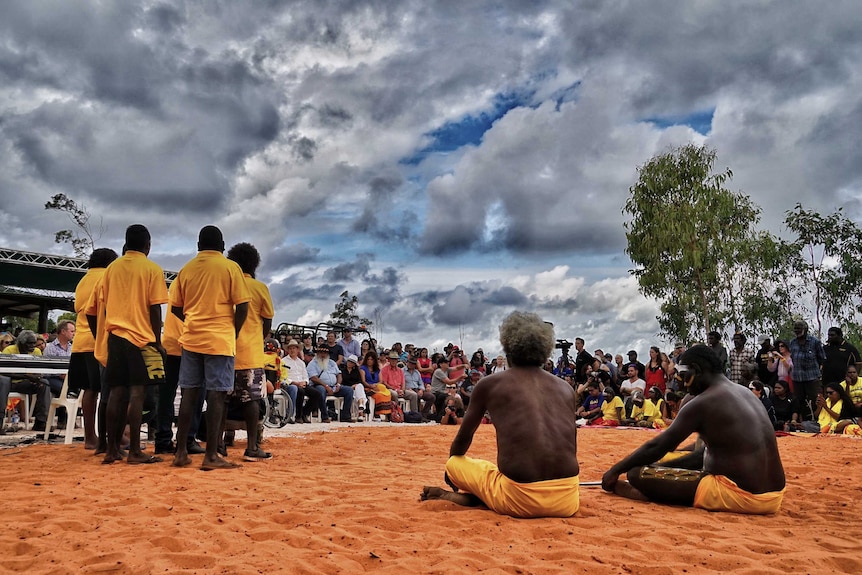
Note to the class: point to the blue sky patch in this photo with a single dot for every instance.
(470, 129)
(700, 122)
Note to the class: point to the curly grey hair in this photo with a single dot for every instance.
(526, 339)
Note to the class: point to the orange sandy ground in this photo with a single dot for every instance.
(348, 502)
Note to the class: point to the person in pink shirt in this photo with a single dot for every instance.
(392, 376)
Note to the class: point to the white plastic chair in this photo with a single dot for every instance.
(71, 405)
(28, 410)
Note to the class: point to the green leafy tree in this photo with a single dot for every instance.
(828, 263)
(691, 241)
(82, 239)
(346, 312)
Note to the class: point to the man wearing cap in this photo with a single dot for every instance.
(536, 474)
(807, 354)
(298, 387)
(211, 297)
(735, 468)
(413, 382)
(349, 344)
(325, 375)
(466, 388)
(633, 360)
(739, 357)
(439, 382)
(392, 377)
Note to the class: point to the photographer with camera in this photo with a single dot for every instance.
(453, 411)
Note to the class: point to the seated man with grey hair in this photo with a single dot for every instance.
(534, 415)
(27, 383)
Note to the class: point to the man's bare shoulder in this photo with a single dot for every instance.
(524, 376)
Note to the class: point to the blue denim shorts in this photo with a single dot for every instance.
(210, 372)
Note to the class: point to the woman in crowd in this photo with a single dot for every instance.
(655, 397)
(425, 366)
(672, 400)
(834, 409)
(781, 362)
(655, 375)
(370, 374)
(786, 407)
(756, 388)
(477, 362)
(351, 375)
(364, 348)
(613, 410)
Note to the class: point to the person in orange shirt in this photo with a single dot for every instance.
(249, 378)
(133, 290)
(83, 366)
(211, 297)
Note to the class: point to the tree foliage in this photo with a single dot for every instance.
(694, 244)
(828, 263)
(346, 312)
(82, 240)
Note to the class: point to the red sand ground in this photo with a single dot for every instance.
(348, 502)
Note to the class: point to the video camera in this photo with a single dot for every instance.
(564, 345)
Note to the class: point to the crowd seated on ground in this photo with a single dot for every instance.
(611, 392)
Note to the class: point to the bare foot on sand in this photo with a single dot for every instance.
(181, 461)
(143, 459)
(466, 499)
(218, 463)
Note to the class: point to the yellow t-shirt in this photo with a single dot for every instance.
(249, 345)
(824, 419)
(855, 390)
(609, 409)
(131, 284)
(84, 340)
(649, 411)
(13, 350)
(207, 289)
(96, 306)
(172, 333)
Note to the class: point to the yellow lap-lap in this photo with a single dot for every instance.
(551, 498)
(718, 493)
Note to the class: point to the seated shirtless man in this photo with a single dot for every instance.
(534, 415)
(734, 468)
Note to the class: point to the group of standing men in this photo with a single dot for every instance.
(213, 342)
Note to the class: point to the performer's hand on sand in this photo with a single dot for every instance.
(609, 481)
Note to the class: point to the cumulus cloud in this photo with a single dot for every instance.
(492, 145)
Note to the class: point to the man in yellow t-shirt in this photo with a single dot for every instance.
(249, 378)
(853, 385)
(211, 298)
(84, 373)
(132, 290)
(31, 384)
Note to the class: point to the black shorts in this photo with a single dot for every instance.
(84, 372)
(130, 365)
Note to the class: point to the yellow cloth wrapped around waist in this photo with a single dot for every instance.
(550, 498)
(718, 493)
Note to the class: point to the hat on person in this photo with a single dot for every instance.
(353, 358)
(475, 372)
(394, 355)
(442, 359)
(456, 348)
(632, 352)
(320, 348)
(678, 345)
(292, 343)
(412, 360)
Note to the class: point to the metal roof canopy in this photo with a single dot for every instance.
(21, 273)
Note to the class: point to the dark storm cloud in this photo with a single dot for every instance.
(350, 271)
(506, 296)
(284, 257)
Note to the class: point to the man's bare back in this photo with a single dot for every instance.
(533, 413)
